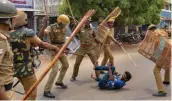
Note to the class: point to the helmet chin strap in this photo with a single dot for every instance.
(7, 22)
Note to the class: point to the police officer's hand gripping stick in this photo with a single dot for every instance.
(84, 19)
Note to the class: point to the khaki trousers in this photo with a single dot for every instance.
(158, 78)
(107, 55)
(27, 83)
(54, 71)
(92, 55)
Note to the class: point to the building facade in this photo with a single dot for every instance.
(166, 14)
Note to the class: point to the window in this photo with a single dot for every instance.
(167, 7)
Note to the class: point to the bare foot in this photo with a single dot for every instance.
(92, 76)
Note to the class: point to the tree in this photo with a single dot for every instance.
(133, 11)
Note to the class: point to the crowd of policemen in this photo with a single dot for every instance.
(16, 40)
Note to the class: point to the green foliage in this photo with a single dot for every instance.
(133, 11)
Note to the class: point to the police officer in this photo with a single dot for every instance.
(107, 52)
(57, 35)
(87, 39)
(21, 40)
(157, 69)
(7, 11)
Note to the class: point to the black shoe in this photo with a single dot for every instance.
(73, 79)
(61, 85)
(160, 94)
(48, 94)
(166, 83)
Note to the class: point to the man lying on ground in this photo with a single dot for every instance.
(111, 80)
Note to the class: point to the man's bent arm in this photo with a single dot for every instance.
(110, 73)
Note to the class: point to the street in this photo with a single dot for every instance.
(140, 87)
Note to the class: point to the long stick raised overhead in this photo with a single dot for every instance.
(84, 19)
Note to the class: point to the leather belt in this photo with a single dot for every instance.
(59, 43)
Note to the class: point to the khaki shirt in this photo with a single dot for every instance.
(86, 36)
(6, 59)
(109, 36)
(56, 34)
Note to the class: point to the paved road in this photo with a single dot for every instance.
(141, 86)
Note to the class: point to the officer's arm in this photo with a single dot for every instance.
(3, 48)
(96, 37)
(38, 41)
(115, 41)
(42, 31)
(3, 95)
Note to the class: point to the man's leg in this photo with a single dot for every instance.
(109, 55)
(27, 83)
(105, 59)
(78, 61)
(50, 81)
(65, 65)
(105, 68)
(167, 77)
(159, 83)
(92, 55)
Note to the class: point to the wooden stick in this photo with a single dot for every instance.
(70, 8)
(115, 13)
(45, 7)
(129, 56)
(84, 19)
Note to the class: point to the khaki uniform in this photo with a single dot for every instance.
(157, 74)
(6, 63)
(108, 56)
(158, 78)
(87, 46)
(57, 37)
(23, 68)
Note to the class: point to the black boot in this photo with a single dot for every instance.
(48, 94)
(160, 94)
(61, 85)
(166, 82)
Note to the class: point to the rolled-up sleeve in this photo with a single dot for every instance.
(3, 48)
